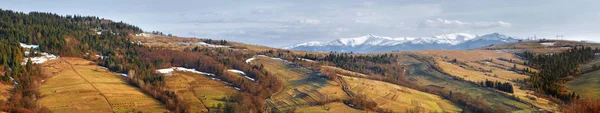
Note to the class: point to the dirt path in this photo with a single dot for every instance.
(87, 81)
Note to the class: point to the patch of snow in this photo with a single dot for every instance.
(170, 70)
(99, 33)
(241, 73)
(212, 45)
(250, 59)
(309, 60)
(14, 81)
(40, 59)
(100, 56)
(237, 71)
(548, 43)
(274, 58)
(125, 75)
(23, 45)
(144, 34)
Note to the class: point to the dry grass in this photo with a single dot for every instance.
(475, 59)
(200, 91)
(398, 98)
(303, 88)
(78, 86)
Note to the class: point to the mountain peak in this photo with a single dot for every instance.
(374, 43)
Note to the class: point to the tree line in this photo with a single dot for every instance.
(506, 87)
(554, 68)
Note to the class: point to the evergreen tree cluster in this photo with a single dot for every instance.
(554, 67)
(506, 87)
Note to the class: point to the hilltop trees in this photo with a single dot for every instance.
(554, 67)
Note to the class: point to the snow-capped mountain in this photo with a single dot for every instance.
(373, 43)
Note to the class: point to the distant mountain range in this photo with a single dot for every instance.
(372, 43)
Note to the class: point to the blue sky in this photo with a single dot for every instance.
(278, 23)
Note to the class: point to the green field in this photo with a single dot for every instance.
(586, 85)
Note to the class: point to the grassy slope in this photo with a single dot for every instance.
(398, 98)
(201, 92)
(303, 88)
(497, 74)
(78, 86)
(587, 85)
(424, 74)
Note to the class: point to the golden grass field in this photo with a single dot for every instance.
(398, 98)
(77, 85)
(200, 91)
(476, 59)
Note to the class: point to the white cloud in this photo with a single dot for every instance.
(457, 24)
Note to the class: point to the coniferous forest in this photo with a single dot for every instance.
(555, 68)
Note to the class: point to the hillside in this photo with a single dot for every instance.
(99, 90)
(117, 67)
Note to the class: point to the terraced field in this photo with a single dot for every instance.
(334, 107)
(422, 71)
(398, 98)
(78, 85)
(202, 93)
(474, 67)
(304, 89)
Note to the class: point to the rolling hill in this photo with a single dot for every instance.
(87, 64)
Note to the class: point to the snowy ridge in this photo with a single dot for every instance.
(452, 39)
(373, 43)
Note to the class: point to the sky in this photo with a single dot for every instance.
(278, 23)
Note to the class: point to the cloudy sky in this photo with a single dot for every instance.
(278, 23)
